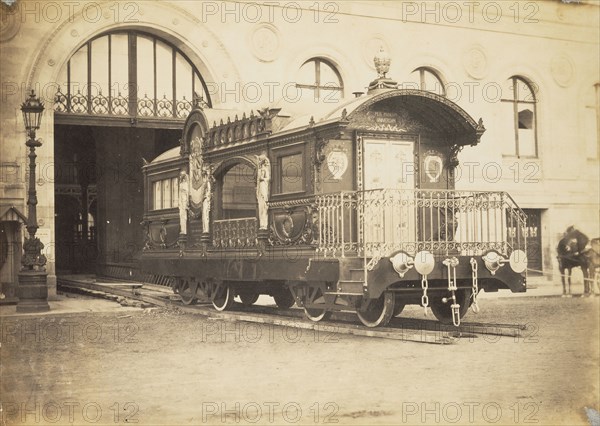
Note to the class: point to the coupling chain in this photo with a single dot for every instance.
(475, 306)
(451, 264)
(424, 298)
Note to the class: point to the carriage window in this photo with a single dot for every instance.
(519, 99)
(425, 78)
(290, 172)
(166, 194)
(319, 80)
(239, 192)
(592, 122)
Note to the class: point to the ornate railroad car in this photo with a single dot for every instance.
(351, 209)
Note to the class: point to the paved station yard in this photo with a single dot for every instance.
(104, 364)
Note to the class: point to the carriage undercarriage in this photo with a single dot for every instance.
(447, 286)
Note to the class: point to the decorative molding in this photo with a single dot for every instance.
(562, 70)
(265, 42)
(10, 21)
(475, 62)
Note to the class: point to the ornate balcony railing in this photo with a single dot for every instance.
(376, 223)
(235, 233)
(118, 105)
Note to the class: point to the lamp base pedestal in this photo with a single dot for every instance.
(33, 292)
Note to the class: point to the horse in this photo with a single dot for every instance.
(572, 253)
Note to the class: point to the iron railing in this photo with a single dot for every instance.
(376, 223)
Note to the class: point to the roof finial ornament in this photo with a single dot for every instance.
(382, 63)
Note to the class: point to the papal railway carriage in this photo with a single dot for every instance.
(351, 209)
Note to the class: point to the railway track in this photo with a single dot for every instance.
(402, 329)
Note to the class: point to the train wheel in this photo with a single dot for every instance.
(443, 312)
(222, 297)
(187, 290)
(379, 312)
(284, 299)
(248, 298)
(315, 297)
(398, 306)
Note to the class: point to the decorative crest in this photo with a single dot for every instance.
(382, 63)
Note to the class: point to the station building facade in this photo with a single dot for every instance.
(118, 79)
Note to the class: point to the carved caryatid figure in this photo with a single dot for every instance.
(196, 172)
(263, 183)
(207, 180)
(184, 201)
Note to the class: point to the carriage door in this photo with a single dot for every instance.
(389, 184)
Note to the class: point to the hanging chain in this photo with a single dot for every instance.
(454, 307)
(475, 306)
(424, 298)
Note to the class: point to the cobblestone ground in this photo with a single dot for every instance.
(160, 366)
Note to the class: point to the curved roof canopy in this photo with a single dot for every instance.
(437, 112)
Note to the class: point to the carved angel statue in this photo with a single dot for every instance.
(207, 181)
(263, 183)
(184, 201)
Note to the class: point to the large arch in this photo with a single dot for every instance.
(171, 23)
(55, 50)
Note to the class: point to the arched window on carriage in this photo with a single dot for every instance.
(132, 74)
(591, 121)
(235, 208)
(425, 78)
(518, 96)
(319, 80)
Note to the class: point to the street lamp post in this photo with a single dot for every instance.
(32, 291)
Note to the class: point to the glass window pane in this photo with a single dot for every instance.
(432, 83)
(329, 77)
(175, 192)
(100, 66)
(507, 116)
(166, 187)
(157, 196)
(239, 192)
(306, 74)
(119, 64)
(79, 71)
(164, 71)
(413, 81)
(508, 90)
(184, 78)
(145, 67)
(524, 92)
(527, 142)
(199, 88)
(291, 173)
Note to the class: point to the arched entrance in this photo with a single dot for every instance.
(123, 98)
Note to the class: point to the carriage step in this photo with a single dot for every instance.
(350, 286)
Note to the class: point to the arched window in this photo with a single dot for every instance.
(130, 73)
(592, 122)
(238, 198)
(519, 97)
(320, 80)
(425, 78)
